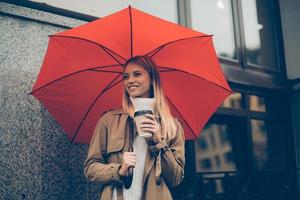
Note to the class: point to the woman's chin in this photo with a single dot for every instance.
(133, 95)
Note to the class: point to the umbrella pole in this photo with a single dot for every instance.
(128, 178)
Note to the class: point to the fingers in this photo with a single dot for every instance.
(129, 159)
(148, 121)
(151, 117)
(149, 124)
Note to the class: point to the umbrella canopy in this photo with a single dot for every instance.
(81, 75)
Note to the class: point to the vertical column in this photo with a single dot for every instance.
(290, 17)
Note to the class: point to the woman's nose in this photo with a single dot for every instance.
(130, 79)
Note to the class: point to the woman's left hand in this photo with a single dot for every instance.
(152, 126)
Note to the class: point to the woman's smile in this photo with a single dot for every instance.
(133, 87)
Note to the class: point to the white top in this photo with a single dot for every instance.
(135, 191)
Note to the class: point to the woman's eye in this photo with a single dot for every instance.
(125, 77)
(138, 74)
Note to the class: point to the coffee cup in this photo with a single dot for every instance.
(142, 106)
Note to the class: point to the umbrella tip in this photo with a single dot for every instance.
(130, 7)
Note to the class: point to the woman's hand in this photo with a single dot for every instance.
(152, 126)
(129, 159)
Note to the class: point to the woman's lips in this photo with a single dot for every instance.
(132, 87)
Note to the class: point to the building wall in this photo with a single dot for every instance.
(291, 30)
(36, 161)
(290, 17)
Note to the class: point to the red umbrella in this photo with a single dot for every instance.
(81, 75)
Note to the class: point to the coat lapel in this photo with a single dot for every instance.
(149, 162)
(123, 129)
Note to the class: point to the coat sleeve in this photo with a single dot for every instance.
(96, 167)
(172, 157)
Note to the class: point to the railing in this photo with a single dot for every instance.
(239, 185)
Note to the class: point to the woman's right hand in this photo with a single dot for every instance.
(129, 159)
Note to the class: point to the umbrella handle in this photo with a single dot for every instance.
(128, 178)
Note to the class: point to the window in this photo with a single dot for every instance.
(202, 143)
(259, 33)
(233, 101)
(206, 163)
(224, 138)
(217, 160)
(228, 157)
(215, 17)
(259, 140)
(217, 144)
(257, 103)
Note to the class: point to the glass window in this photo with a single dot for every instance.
(228, 157)
(166, 9)
(233, 101)
(217, 146)
(259, 33)
(257, 103)
(217, 160)
(202, 143)
(215, 17)
(259, 140)
(206, 163)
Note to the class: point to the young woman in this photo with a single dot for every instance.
(158, 161)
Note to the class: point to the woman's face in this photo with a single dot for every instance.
(136, 81)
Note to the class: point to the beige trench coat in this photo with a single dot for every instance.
(164, 164)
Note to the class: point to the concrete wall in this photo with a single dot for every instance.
(37, 161)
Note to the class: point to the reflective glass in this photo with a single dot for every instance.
(166, 9)
(215, 17)
(212, 149)
(259, 140)
(233, 101)
(257, 103)
(259, 33)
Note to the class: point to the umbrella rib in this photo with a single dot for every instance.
(107, 51)
(95, 70)
(103, 47)
(113, 85)
(108, 86)
(165, 69)
(131, 34)
(183, 118)
(65, 77)
(177, 70)
(156, 50)
(106, 66)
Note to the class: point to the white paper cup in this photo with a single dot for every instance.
(139, 117)
(142, 106)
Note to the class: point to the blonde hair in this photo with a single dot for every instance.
(161, 108)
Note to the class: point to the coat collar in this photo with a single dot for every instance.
(119, 111)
